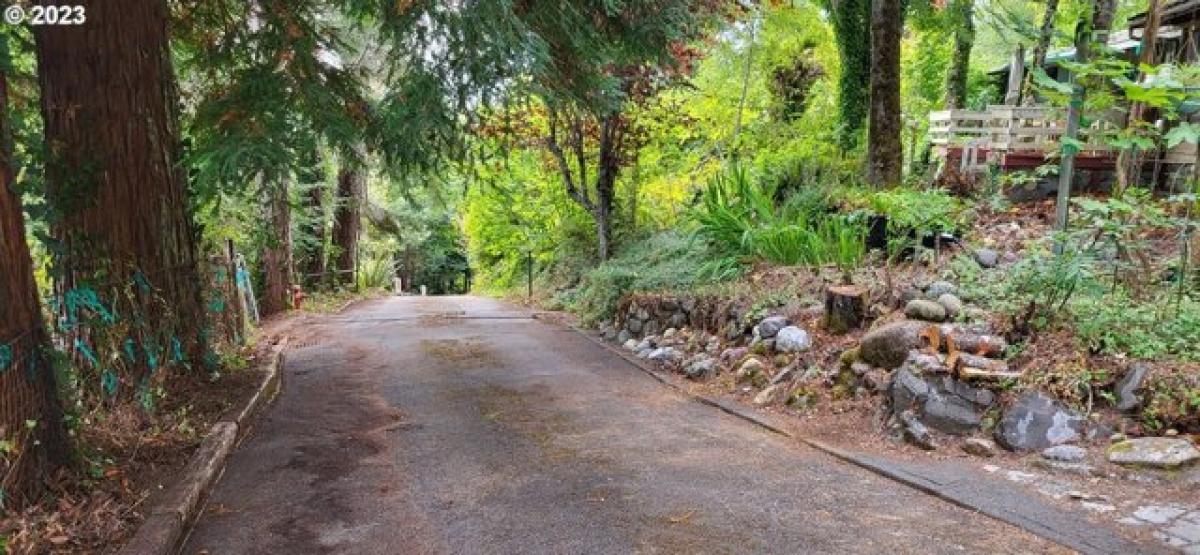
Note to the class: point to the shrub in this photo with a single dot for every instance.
(740, 219)
(669, 260)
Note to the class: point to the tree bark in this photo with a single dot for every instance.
(347, 223)
(277, 250)
(113, 173)
(851, 25)
(28, 390)
(963, 14)
(845, 308)
(612, 130)
(1039, 51)
(884, 149)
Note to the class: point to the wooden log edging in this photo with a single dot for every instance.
(172, 516)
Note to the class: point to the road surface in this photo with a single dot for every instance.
(461, 425)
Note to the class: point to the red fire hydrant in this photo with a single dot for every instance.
(297, 296)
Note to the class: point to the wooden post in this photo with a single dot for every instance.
(845, 308)
(1016, 75)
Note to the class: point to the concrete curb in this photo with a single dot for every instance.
(168, 521)
(1084, 539)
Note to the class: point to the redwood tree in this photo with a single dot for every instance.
(347, 221)
(277, 249)
(113, 177)
(884, 154)
(28, 392)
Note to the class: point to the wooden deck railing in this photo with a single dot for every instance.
(1004, 128)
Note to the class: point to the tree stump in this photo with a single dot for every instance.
(845, 308)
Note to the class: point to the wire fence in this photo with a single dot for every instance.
(103, 332)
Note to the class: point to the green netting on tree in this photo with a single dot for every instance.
(87, 353)
(130, 349)
(78, 299)
(140, 280)
(176, 350)
(151, 356)
(108, 381)
(6, 358)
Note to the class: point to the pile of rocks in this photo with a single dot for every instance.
(938, 302)
(935, 377)
(642, 318)
(767, 365)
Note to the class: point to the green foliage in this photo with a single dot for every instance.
(739, 218)
(851, 23)
(668, 261)
(919, 210)
(1072, 290)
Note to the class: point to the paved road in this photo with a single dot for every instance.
(402, 430)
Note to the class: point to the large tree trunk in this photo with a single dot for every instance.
(962, 13)
(851, 25)
(612, 132)
(884, 150)
(113, 174)
(277, 250)
(313, 257)
(1039, 51)
(28, 391)
(347, 222)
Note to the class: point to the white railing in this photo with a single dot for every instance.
(1004, 128)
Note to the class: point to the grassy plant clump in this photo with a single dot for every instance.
(742, 220)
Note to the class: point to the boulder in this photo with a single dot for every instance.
(732, 355)
(665, 355)
(952, 304)
(630, 344)
(769, 327)
(949, 414)
(1154, 452)
(979, 447)
(1127, 387)
(1064, 453)
(939, 288)
(1036, 421)
(609, 333)
(888, 346)
(877, 381)
(624, 337)
(981, 398)
(768, 396)
(915, 432)
(634, 325)
(678, 320)
(792, 339)
(987, 258)
(669, 333)
(700, 368)
(921, 309)
(907, 390)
